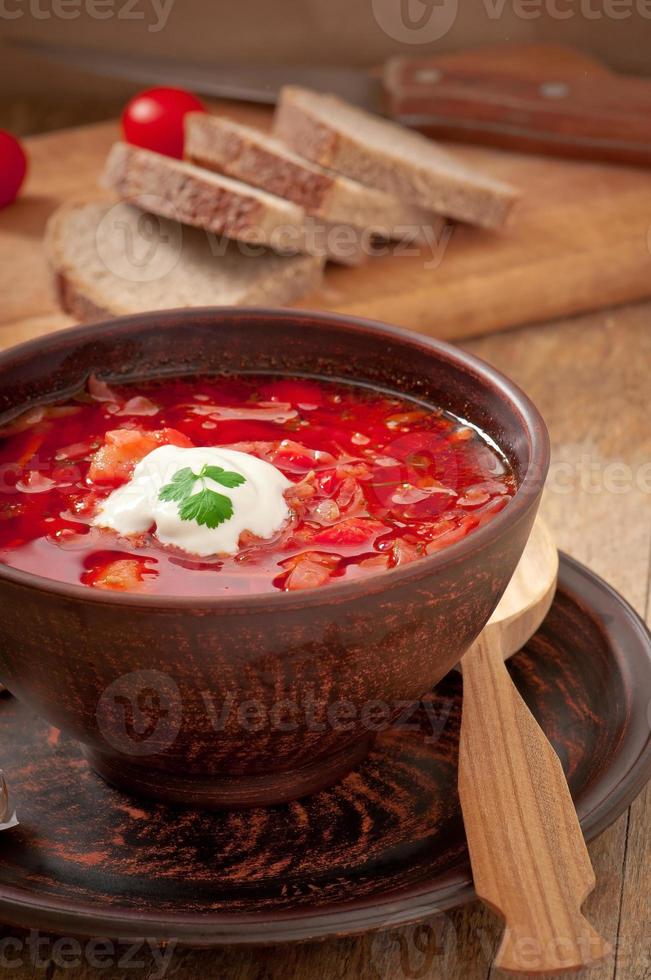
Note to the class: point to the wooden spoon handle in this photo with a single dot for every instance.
(528, 855)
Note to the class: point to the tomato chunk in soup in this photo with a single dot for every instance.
(377, 481)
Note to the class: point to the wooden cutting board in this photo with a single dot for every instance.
(579, 240)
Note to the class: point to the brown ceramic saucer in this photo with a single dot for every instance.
(384, 847)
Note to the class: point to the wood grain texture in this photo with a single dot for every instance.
(604, 416)
(528, 856)
(590, 378)
(578, 240)
(384, 846)
(530, 592)
(500, 99)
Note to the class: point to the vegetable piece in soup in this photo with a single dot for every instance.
(239, 485)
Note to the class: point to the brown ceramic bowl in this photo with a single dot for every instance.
(243, 700)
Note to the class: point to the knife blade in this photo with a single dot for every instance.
(255, 83)
(543, 99)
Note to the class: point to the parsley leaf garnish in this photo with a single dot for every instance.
(207, 507)
(226, 477)
(181, 485)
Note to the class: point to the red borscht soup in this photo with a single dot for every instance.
(371, 481)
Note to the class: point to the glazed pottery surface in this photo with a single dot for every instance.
(383, 847)
(248, 700)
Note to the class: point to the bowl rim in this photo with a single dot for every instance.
(517, 507)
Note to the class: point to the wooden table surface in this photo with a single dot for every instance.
(590, 378)
(578, 240)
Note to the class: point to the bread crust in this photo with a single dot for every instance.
(78, 305)
(89, 297)
(389, 157)
(249, 155)
(201, 198)
(317, 140)
(177, 191)
(214, 144)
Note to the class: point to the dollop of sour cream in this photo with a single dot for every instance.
(258, 502)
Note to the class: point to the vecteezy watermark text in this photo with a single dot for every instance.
(288, 715)
(567, 9)
(153, 13)
(424, 21)
(585, 473)
(41, 952)
(141, 714)
(136, 244)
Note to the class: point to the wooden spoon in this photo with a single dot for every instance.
(528, 855)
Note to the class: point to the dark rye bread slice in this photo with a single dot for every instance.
(385, 155)
(192, 195)
(256, 158)
(111, 259)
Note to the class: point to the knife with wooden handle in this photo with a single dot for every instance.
(531, 98)
(581, 114)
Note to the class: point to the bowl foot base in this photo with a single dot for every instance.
(227, 792)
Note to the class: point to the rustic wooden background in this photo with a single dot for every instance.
(578, 238)
(590, 378)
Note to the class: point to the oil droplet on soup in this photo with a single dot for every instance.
(373, 481)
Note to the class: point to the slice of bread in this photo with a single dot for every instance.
(252, 156)
(385, 155)
(195, 196)
(111, 259)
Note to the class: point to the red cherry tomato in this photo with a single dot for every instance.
(13, 166)
(154, 119)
